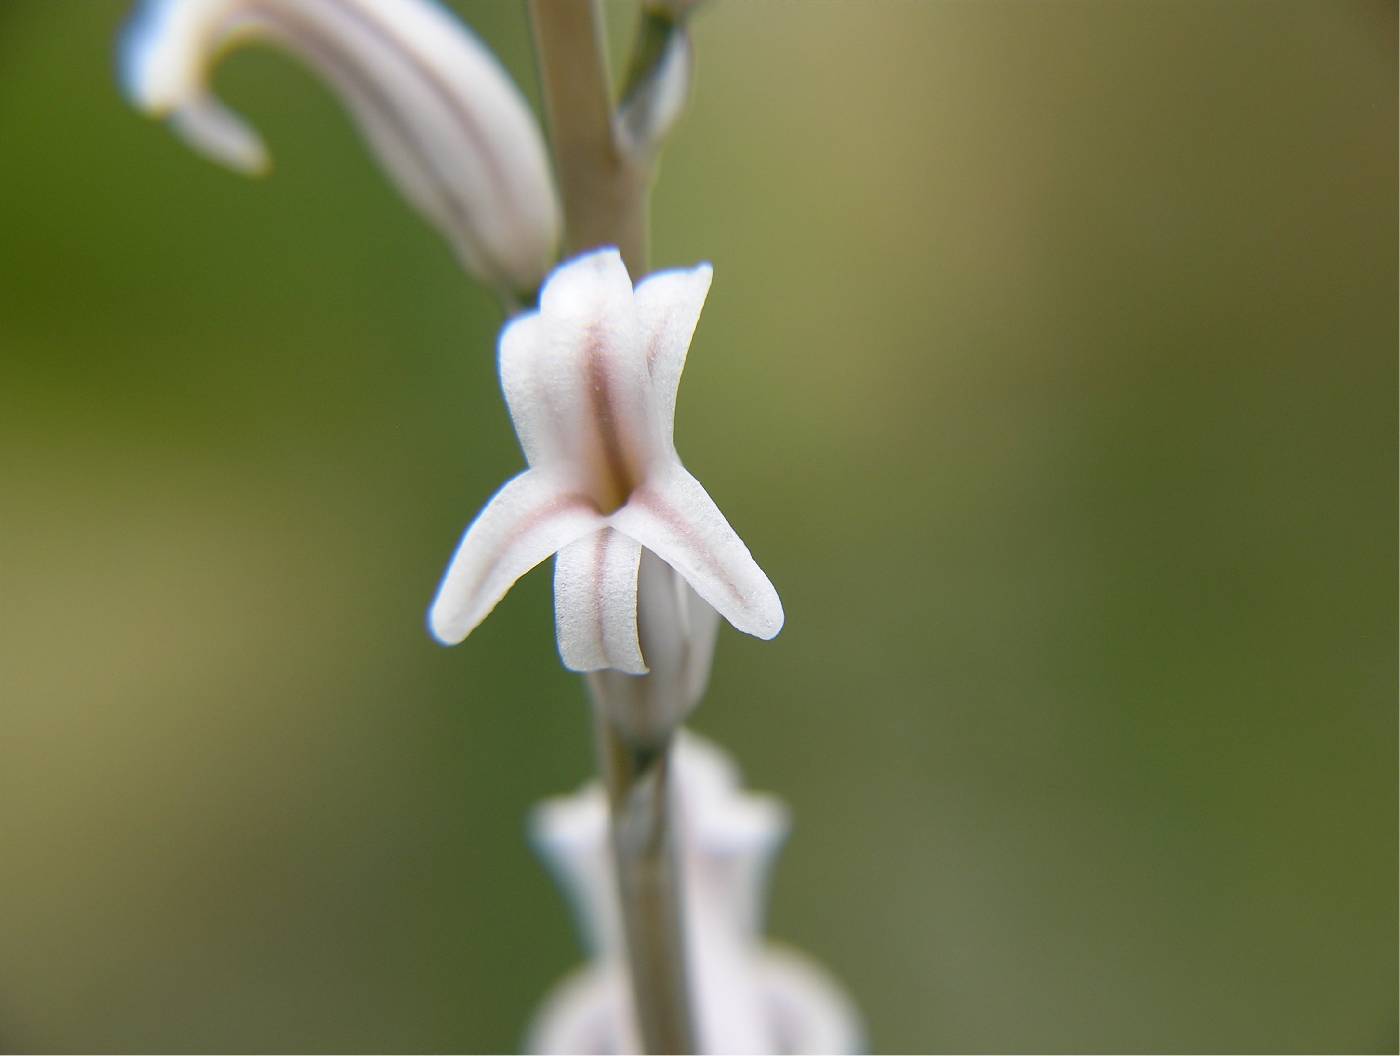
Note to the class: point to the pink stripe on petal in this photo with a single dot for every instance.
(668, 310)
(673, 517)
(596, 373)
(595, 603)
(529, 519)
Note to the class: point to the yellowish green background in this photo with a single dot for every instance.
(1049, 370)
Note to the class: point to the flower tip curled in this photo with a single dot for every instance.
(434, 105)
(161, 75)
(441, 627)
(140, 68)
(594, 284)
(215, 131)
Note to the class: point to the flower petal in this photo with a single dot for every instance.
(571, 834)
(521, 350)
(668, 309)
(589, 1010)
(807, 1008)
(215, 131)
(595, 603)
(439, 111)
(580, 382)
(672, 516)
(529, 519)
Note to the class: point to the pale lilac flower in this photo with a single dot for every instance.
(749, 996)
(590, 380)
(438, 110)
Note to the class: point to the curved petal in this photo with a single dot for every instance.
(672, 516)
(595, 603)
(737, 832)
(587, 375)
(526, 521)
(521, 350)
(668, 309)
(592, 290)
(589, 1010)
(217, 132)
(441, 114)
(807, 1008)
(571, 834)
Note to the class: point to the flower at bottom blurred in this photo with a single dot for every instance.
(748, 995)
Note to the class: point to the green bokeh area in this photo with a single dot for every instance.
(1050, 372)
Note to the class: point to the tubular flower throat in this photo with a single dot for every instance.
(590, 380)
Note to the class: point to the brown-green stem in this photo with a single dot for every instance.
(605, 196)
(605, 193)
(638, 782)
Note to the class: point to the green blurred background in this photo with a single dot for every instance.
(1049, 370)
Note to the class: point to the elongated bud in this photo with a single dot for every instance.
(437, 109)
(677, 630)
(659, 80)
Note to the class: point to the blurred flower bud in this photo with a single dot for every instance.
(673, 9)
(436, 107)
(749, 996)
(660, 86)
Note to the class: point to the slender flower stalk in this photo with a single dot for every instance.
(605, 192)
(443, 117)
(606, 183)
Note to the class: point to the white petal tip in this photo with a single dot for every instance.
(139, 59)
(759, 612)
(625, 667)
(444, 630)
(602, 258)
(220, 135)
(702, 275)
(765, 624)
(582, 285)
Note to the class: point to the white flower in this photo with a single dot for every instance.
(444, 118)
(590, 380)
(749, 997)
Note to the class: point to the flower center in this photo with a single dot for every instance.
(615, 468)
